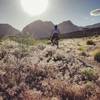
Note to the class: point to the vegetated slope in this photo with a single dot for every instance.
(42, 72)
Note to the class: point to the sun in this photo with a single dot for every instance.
(34, 7)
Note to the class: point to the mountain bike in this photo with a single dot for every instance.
(55, 41)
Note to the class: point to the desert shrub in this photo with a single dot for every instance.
(23, 76)
(97, 56)
(44, 41)
(58, 56)
(41, 46)
(34, 76)
(7, 89)
(81, 92)
(89, 74)
(2, 54)
(92, 91)
(37, 95)
(24, 40)
(85, 54)
(55, 87)
(52, 87)
(21, 51)
(48, 52)
(82, 48)
(8, 44)
(32, 95)
(90, 42)
(27, 40)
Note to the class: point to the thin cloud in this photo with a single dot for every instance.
(95, 12)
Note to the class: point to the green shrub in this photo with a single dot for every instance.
(89, 74)
(23, 40)
(82, 48)
(97, 56)
(90, 42)
(26, 40)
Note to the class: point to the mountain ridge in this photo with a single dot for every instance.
(42, 29)
(7, 29)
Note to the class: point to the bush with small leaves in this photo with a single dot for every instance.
(90, 42)
(97, 56)
(44, 73)
(89, 74)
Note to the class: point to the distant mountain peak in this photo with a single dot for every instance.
(37, 22)
(5, 24)
(93, 26)
(68, 26)
(6, 29)
(39, 29)
(69, 22)
(42, 29)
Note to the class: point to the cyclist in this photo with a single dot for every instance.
(55, 36)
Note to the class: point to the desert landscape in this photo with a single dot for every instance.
(35, 70)
(49, 49)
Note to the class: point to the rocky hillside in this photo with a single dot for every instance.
(39, 29)
(42, 72)
(93, 26)
(42, 29)
(6, 30)
(68, 26)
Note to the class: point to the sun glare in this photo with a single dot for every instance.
(34, 7)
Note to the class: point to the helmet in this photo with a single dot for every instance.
(56, 26)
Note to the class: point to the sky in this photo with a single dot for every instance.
(80, 12)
